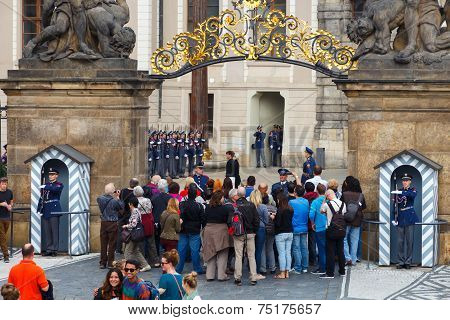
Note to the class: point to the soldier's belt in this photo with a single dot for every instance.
(407, 208)
(50, 201)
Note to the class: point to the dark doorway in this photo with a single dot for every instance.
(64, 220)
(416, 183)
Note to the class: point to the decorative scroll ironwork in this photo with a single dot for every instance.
(253, 31)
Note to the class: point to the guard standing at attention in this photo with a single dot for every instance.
(151, 154)
(191, 153)
(273, 145)
(182, 154)
(49, 205)
(199, 145)
(172, 151)
(405, 222)
(260, 136)
(159, 163)
(308, 166)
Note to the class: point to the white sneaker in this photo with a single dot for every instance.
(146, 268)
(259, 277)
(305, 271)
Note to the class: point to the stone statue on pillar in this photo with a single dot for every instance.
(420, 34)
(83, 29)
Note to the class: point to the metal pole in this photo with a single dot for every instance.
(70, 236)
(87, 232)
(11, 236)
(368, 247)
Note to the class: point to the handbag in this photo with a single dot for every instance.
(148, 222)
(126, 235)
(138, 233)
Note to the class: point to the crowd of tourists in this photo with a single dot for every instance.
(289, 228)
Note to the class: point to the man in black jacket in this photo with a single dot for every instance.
(159, 202)
(192, 218)
(251, 224)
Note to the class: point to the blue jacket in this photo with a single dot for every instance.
(300, 217)
(49, 201)
(406, 214)
(308, 169)
(278, 185)
(201, 181)
(319, 219)
(259, 141)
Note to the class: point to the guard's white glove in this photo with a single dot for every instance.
(167, 157)
(185, 155)
(396, 192)
(271, 147)
(149, 159)
(177, 157)
(394, 222)
(42, 186)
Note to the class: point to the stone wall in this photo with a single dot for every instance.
(396, 107)
(99, 108)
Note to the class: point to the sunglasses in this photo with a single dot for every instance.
(129, 270)
(164, 262)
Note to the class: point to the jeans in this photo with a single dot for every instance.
(359, 254)
(193, 242)
(260, 156)
(321, 247)
(312, 248)
(352, 236)
(268, 255)
(259, 246)
(332, 246)
(284, 244)
(300, 251)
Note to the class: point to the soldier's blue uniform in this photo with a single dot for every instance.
(280, 185)
(151, 155)
(49, 205)
(172, 151)
(182, 154)
(406, 220)
(274, 145)
(159, 155)
(308, 167)
(201, 181)
(199, 144)
(191, 153)
(259, 147)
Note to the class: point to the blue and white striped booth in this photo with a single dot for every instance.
(425, 180)
(74, 168)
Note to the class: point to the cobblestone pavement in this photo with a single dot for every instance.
(76, 281)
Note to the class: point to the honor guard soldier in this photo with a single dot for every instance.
(151, 154)
(159, 165)
(308, 166)
(191, 153)
(273, 145)
(199, 145)
(172, 151)
(200, 179)
(406, 220)
(260, 136)
(182, 154)
(282, 184)
(49, 205)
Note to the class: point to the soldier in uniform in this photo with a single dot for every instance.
(273, 145)
(172, 151)
(166, 158)
(151, 154)
(260, 136)
(183, 143)
(405, 222)
(199, 145)
(308, 166)
(48, 207)
(283, 183)
(159, 165)
(200, 179)
(191, 153)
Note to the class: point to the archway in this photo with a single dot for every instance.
(266, 109)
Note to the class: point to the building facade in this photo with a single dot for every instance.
(242, 95)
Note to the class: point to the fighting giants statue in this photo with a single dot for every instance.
(83, 29)
(418, 24)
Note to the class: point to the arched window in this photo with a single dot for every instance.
(213, 10)
(31, 19)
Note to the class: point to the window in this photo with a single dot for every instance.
(358, 7)
(32, 13)
(213, 10)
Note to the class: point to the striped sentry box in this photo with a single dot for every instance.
(78, 166)
(428, 170)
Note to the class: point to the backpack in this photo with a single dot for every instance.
(154, 293)
(237, 224)
(337, 228)
(270, 226)
(148, 222)
(353, 207)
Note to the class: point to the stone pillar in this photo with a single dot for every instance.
(394, 107)
(331, 104)
(99, 108)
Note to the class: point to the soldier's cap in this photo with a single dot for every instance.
(182, 132)
(284, 172)
(309, 150)
(52, 170)
(275, 126)
(406, 177)
(200, 165)
(259, 127)
(170, 132)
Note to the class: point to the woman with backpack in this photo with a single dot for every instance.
(260, 239)
(354, 199)
(132, 248)
(216, 240)
(145, 209)
(335, 210)
(284, 235)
